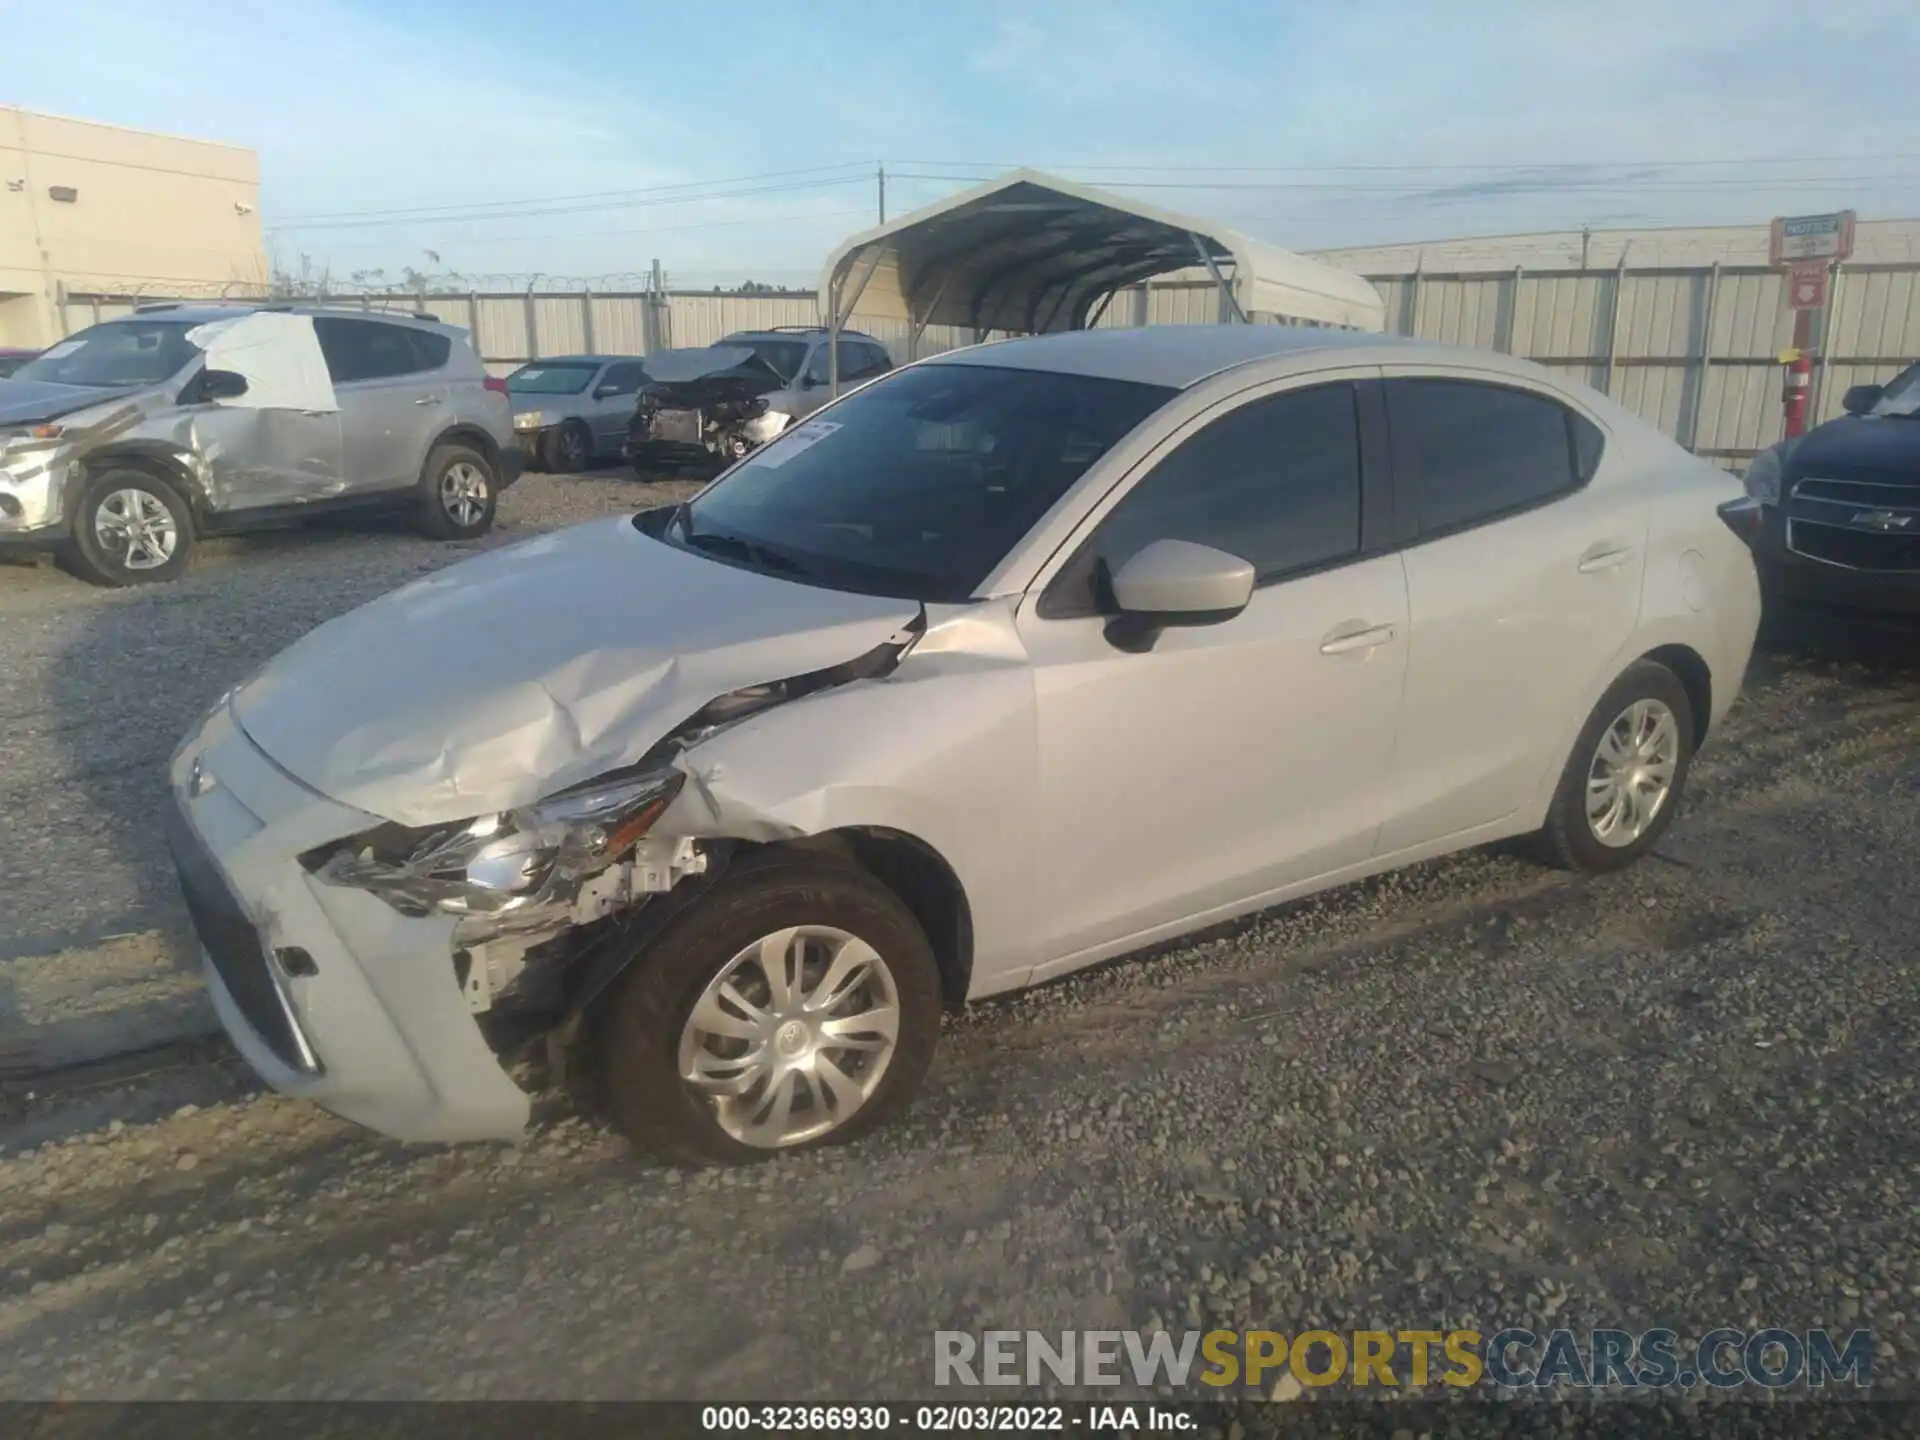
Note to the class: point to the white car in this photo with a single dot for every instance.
(1019, 658)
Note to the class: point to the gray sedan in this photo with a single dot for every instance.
(572, 409)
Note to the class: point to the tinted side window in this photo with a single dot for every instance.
(622, 379)
(1276, 482)
(432, 349)
(817, 365)
(859, 360)
(1470, 452)
(370, 350)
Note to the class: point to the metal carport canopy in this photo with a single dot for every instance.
(1033, 254)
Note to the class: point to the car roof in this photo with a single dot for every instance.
(202, 314)
(793, 332)
(1179, 356)
(585, 360)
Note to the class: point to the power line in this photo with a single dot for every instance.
(737, 194)
(1464, 191)
(606, 234)
(1343, 169)
(864, 167)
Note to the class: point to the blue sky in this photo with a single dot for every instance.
(1308, 125)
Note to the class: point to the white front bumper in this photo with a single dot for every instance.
(379, 1032)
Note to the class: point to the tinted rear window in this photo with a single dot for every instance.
(1470, 451)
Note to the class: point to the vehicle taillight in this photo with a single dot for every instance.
(495, 384)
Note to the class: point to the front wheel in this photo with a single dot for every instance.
(796, 1004)
(1626, 775)
(568, 449)
(130, 528)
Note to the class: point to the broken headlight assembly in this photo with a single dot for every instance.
(503, 862)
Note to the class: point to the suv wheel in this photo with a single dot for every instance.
(795, 1004)
(458, 493)
(568, 449)
(130, 528)
(1625, 777)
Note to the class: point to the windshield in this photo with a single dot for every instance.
(549, 379)
(1901, 395)
(917, 486)
(783, 357)
(120, 352)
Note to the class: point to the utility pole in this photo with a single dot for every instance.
(880, 174)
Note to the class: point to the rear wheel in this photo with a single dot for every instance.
(130, 528)
(458, 493)
(568, 449)
(796, 1004)
(1626, 775)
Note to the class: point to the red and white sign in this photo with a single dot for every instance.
(1807, 285)
(1811, 237)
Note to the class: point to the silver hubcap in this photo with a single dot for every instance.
(1632, 773)
(463, 490)
(134, 527)
(793, 1036)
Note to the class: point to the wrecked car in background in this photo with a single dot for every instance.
(569, 410)
(124, 443)
(1023, 657)
(711, 406)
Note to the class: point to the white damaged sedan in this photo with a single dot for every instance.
(1014, 660)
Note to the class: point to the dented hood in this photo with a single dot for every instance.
(27, 402)
(505, 678)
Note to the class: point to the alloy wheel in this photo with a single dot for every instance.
(463, 493)
(791, 1038)
(1631, 777)
(136, 529)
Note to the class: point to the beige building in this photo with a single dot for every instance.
(91, 207)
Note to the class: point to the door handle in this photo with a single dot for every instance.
(428, 400)
(1345, 640)
(1604, 556)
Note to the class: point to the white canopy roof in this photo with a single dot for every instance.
(1030, 253)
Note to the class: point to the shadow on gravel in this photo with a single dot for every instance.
(1798, 634)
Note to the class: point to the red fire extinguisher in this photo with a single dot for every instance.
(1793, 396)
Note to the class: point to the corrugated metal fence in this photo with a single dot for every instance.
(1695, 351)
(509, 330)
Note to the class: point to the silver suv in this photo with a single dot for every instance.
(124, 443)
(570, 410)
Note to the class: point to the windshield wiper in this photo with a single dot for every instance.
(753, 553)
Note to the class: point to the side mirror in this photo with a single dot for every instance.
(222, 385)
(1176, 582)
(1860, 399)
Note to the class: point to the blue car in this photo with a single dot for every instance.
(1839, 507)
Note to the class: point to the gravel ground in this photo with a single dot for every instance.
(1473, 1094)
(100, 685)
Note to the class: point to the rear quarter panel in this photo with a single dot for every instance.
(1699, 588)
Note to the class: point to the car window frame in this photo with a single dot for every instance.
(1406, 470)
(804, 378)
(1050, 590)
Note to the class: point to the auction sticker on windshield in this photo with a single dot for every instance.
(801, 437)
